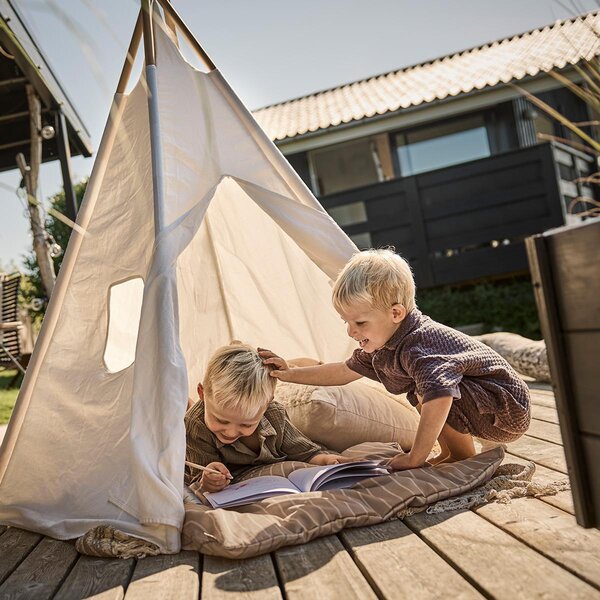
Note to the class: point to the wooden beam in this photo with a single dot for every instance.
(30, 175)
(64, 155)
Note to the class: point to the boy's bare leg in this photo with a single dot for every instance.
(459, 445)
(444, 454)
(455, 445)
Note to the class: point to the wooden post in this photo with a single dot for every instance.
(30, 175)
(64, 155)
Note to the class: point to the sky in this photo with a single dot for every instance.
(268, 50)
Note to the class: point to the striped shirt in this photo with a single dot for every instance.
(279, 440)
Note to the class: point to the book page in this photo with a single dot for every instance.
(251, 490)
(312, 478)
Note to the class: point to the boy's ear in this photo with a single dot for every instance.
(200, 392)
(398, 313)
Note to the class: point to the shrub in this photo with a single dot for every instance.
(507, 305)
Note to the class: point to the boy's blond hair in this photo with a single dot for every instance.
(381, 278)
(236, 379)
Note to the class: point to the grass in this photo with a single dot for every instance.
(7, 397)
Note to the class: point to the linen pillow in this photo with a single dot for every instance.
(342, 416)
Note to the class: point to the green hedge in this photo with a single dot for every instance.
(507, 305)
(7, 396)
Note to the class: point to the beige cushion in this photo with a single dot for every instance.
(269, 524)
(342, 416)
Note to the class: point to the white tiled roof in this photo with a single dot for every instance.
(541, 50)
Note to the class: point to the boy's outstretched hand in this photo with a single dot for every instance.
(213, 482)
(277, 365)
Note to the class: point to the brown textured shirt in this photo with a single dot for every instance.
(279, 440)
(431, 360)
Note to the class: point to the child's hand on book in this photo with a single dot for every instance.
(329, 459)
(402, 462)
(215, 482)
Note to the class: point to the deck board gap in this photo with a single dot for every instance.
(65, 575)
(440, 552)
(543, 439)
(23, 558)
(278, 576)
(376, 590)
(540, 551)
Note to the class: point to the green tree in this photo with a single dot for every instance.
(60, 232)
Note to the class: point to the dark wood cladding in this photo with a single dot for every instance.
(463, 222)
(565, 274)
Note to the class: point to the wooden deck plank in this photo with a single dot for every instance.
(15, 545)
(543, 399)
(550, 531)
(398, 564)
(544, 413)
(537, 387)
(545, 431)
(494, 560)
(321, 570)
(166, 577)
(102, 578)
(41, 573)
(249, 579)
(541, 452)
(562, 500)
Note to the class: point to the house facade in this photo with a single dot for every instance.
(447, 160)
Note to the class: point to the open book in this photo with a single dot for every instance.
(309, 479)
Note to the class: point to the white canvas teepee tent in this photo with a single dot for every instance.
(194, 231)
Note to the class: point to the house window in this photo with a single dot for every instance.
(124, 311)
(442, 145)
(363, 241)
(349, 214)
(351, 165)
(544, 126)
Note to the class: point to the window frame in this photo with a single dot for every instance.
(314, 177)
(486, 117)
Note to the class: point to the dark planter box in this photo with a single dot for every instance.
(565, 269)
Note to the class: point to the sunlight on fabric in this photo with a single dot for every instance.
(125, 307)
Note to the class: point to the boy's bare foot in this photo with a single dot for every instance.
(439, 458)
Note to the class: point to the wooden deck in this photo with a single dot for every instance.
(530, 548)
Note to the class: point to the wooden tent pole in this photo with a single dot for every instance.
(170, 23)
(172, 14)
(148, 33)
(130, 57)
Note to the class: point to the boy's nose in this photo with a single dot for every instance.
(350, 330)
